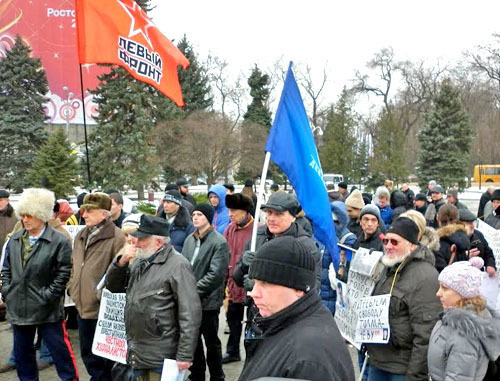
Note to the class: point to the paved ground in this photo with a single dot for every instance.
(232, 370)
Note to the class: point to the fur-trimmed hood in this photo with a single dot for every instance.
(485, 328)
(430, 239)
(455, 234)
(449, 230)
(36, 202)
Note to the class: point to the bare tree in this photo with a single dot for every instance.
(313, 91)
(487, 59)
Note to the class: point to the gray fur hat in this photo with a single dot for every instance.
(36, 202)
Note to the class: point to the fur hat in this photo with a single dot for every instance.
(355, 200)
(463, 278)
(97, 200)
(36, 202)
(239, 201)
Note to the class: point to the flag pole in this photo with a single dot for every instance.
(260, 195)
(85, 129)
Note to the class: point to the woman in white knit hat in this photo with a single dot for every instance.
(467, 337)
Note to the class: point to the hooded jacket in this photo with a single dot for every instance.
(327, 294)
(221, 215)
(301, 341)
(399, 203)
(413, 312)
(453, 234)
(461, 345)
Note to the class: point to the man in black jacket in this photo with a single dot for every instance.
(35, 273)
(371, 225)
(300, 339)
(163, 311)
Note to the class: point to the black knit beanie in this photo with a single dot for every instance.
(206, 209)
(405, 228)
(284, 261)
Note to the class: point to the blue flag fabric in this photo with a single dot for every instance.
(292, 148)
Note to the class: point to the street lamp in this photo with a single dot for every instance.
(67, 110)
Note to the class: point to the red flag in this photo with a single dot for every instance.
(119, 32)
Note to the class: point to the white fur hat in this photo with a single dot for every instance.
(36, 202)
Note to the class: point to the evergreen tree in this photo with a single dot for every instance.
(23, 85)
(361, 163)
(194, 80)
(445, 140)
(337, 153)
(55, 166)
(257, 116)
(122, 149)
(388, 160)
(258, 110)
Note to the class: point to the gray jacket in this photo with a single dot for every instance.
(209, 267)
(493, 220)
(34, 293)
(414, 311)
(163, 311)
(461, 345)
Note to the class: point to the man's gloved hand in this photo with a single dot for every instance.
(247, 258)
(247, 283)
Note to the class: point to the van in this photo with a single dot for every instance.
(488, 173)
(332, 178)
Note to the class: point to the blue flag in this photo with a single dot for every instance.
(292, 148)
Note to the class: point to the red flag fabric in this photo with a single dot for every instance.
(119, 32)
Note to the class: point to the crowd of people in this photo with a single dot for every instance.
(181, 266)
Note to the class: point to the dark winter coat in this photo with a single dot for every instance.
(8, 220)
(301, 341)
(399, 203)
(372, 242)
(221, 216)
(354, 227)
(209, 267)
(327, 294)
(478, 241)
(189, 199)
(461, 345)
(413, 312)
(119, 220)
(453, 234)
(163, 311)
(34, 293)
(485, 197)
(180, 228)
(410, 196)
(460, 205)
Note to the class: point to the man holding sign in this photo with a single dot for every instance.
(163, 310)
(410, 279)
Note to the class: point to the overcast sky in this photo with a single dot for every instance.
(345, 34)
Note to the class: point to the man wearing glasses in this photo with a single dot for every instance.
(412, 281)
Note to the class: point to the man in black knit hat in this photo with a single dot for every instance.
(300, 338)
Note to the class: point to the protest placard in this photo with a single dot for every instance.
(365, 262)
(373, 319)
(110, 339)
(358, 286)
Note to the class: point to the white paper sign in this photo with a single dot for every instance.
(110, 339)
(489, 289)
(170, 371)
(373, 319)
(492, 236)
(365, 262)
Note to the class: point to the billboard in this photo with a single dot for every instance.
(49, 28)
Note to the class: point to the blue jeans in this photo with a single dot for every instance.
(57, 340)
(376, 374)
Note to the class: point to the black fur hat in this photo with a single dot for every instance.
(239, 201)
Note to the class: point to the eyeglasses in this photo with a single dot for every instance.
(394, 242)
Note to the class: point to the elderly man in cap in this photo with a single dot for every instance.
(300, 338)
(237, 235)
(178, 218)
(478, 244)
(94, 249)
(412, 281)
(433, 208)
(207, 251)
(35, 273)
(372, 227)
(163, 311)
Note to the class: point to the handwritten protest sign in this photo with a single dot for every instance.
(359, 285)
(373, 319)
(492, 236)
(110, 340)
